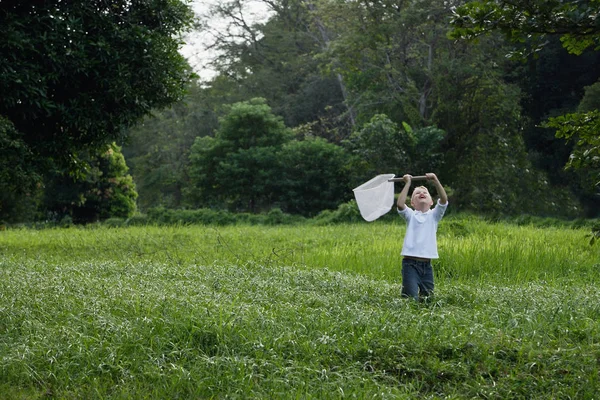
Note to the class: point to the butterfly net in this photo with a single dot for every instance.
(375, 197)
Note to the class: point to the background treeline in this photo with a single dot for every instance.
(323, 96)
(363, 88)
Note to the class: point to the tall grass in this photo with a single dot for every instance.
(470, 250)
(296, 312)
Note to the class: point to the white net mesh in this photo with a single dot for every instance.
(375, 197)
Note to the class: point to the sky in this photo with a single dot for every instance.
(194, 48)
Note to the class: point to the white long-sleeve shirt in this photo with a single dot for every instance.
(420, 239)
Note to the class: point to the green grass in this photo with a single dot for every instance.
(297, 312)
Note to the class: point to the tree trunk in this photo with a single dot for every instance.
(325, 46)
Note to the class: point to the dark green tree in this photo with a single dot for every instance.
(380, 146)
(276, 60)
(254, 164)
(19, 182)
(536, 23)
(159, 147)
(552, 84)
(314, 175)
(591, 99)
(581, 129)
(104, 191)
(387, 54)
(486, 161)
(237, 168)
(575, 21)
(73, 74)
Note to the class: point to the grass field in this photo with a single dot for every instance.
(307, 312)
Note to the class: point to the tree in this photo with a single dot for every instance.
(73, 74)
(313, 176)
(104, 191)
(380, 146)
(575, 21)
(254, 164)
(486, 162)
(386, 52)
(552, 84)
(275, 59)
(582, 128)
(237, 169)
(591, 99)
(158, 148)
(19, 182)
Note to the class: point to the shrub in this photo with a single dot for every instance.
(137, 220)
(206, 216)
(115, 222)
(346, 212)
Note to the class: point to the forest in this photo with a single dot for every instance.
(109, 120)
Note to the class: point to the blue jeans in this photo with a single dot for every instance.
(417, 278)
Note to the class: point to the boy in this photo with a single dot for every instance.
(420, 243)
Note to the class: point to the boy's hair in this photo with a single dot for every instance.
(421, 187)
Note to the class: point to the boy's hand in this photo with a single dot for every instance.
(431, 177)
(407, 179)
(440, 189)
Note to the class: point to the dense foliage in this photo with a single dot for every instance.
(348, 89)
(575, 21)
(413, 101)
(104, 191)
(75, 74)
(536, 25)
(253, 164)
(18, 179)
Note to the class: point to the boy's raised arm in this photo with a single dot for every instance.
(438, 186)
(404, 193)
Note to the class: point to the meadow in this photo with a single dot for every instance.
(297, 312)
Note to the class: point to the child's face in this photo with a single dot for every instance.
(421, 199)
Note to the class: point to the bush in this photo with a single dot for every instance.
(115, 222)
(205, 216)
(66, 222)
(345, 213)
(137, 220)
(275, 217)
(20, 183)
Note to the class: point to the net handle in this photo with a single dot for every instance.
(414, 178)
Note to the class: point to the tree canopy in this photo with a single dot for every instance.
(253, 163)
(577, 22)
(382, 81)
(305, 105)
(74, 74)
